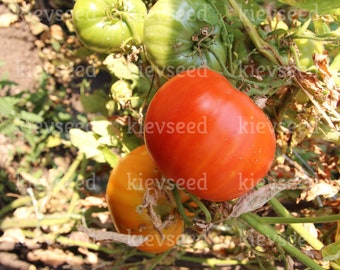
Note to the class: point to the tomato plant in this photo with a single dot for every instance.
(184, 34)
(109, 26)
(135, 195)
(207, 136)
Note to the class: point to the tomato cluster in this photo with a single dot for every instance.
(176, 34)
(201, 134)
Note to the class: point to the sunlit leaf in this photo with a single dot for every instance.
(87, 143)
(317, 6)
(8, 127)
(101, 126)
(7, 106)
(121, 68)
(325, 132)
(331, 252)
(111, 157)
(53, 141)
(30, 117)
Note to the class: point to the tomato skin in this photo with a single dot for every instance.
(125, 191)
(170, 30)
(109, 25)
(207, 136)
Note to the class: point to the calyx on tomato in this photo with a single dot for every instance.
(109, 25)
(182, 34)
(207, 136)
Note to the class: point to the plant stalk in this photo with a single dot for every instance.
(255, 221)
(282, 211)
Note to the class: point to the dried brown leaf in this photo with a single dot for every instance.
(322, 91)
(13, 235)
(91, 201)
(321, 62)
(12, 261)
(36, 26)
(321, 188)
(10, 238)
(57, 32)
(54, 257)
(257, 198)
(99, 235)
(7, 19)
(79, 236)
(308, 120)
(149, 201)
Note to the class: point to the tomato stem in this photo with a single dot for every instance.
(255, 221)
(201, 206)
(281, 210)
(293, 220)
(224, 34)
(159, 259)
(120, 11)
(235, 77)
(127, 20)
(180, 206)
(265, 48)
(21, 201)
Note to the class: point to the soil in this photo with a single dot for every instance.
(19, 59)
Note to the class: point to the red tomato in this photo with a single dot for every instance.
(207, 136)
(135, 175)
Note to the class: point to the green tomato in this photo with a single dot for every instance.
(109, 25)
(307, 48)
(183, 34)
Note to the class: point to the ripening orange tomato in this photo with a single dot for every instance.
(131, 181)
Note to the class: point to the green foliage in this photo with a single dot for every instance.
(321, 7)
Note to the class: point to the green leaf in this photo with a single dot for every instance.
(30, 117)
(111, 157)
(87, 143)
(53, 141)
(7, 106)
(8, 127)
(95, 103)
(331, 252)
(121, 68)
(130, 141)
(254, 12)
(104, 128)
(4, 83)
(318, 6)
(327, 133)
(100, 125)
(121, 89)
(336, 63)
